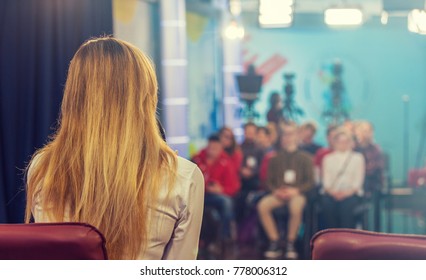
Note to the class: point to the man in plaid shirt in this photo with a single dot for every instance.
(374, 165)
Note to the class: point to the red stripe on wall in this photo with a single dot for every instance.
(271, 66)
(249, 61)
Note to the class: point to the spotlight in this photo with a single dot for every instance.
(235, 7)
(276, 13)
(343, 17)
(384, 18)
(234, 31)
(417, 21)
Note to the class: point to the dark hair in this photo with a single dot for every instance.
(229, 150)
(249, 124)
(264, 129)
(161, 129)
(214, 138)
(274, 99)
(311, 126)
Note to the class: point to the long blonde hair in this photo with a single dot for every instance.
(106, 163)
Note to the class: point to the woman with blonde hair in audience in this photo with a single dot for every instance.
(343, 177)
(107, 164)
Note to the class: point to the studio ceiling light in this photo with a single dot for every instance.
(235, 7)
(343, 17)
(417, 21)
(275, 13)
(233, 31)
(384, 18)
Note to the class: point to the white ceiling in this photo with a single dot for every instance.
(315, 6)
(371, 7)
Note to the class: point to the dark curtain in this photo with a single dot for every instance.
(37, 41)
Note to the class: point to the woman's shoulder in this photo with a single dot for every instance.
(189, 182)
(35, 161)
(184, 166)
(187, 170)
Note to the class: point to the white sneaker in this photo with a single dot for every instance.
(274, 251)
(291, 253)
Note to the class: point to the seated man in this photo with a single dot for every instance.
(306, 134)
(221, 181)
(290, 175)
(264, 140)
(373, 155)
(252, 156)
(249, 170)
(343, 177)
(374, 166)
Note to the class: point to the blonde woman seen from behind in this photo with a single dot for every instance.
(107, 164)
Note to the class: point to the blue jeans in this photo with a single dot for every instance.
(225, 207)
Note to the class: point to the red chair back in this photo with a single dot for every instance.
(350, 244)
(51, 241)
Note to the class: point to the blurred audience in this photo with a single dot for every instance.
(221, 181)
(230, 146)
(266, 143)
(321, 153)
(249, 171)
(374, 166)
(252, 156)
(306, 134)
(289, 176)
(349, 126)
(264, 139)
(270, 171)
(343, 177)
(273, 130)
(374, 161)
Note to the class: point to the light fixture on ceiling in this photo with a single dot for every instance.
(417, 21)
(233, 31)
(384, 18)
(275, 13)
(343, 17)
(235, 7)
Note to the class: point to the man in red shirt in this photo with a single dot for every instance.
(221, 181)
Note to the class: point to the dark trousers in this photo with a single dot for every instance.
(225, 207)
(339, 214)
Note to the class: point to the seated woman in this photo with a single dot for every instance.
(343, 177)
(108, 166)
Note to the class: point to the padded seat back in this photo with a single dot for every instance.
(51, 241)
(351, 244)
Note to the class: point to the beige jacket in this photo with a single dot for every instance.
(175, 224)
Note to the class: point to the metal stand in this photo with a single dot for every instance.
(291, 111)
(337, 113)
(406, 135)
(249, 112)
